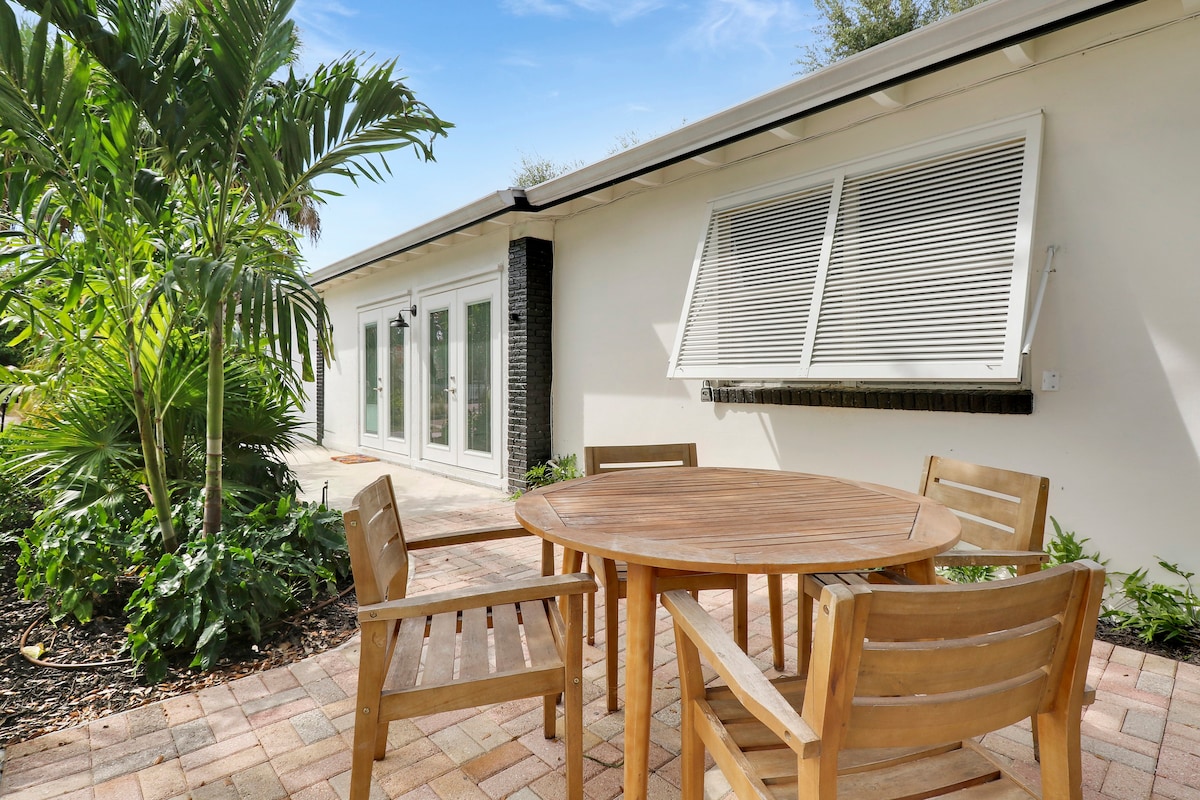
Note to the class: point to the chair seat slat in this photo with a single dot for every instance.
(939, 775)
(474, 643)
(506, 630)
(440, 649)
(406, 662)
(538, 636)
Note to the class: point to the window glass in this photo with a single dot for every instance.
(371, 378)
(439, 377)
(479, 377)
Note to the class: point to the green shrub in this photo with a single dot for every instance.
(1065, 547)
(219, 589)
(21, 500)
(562, 468)
(972, 573)
(74, 562)
(1157, 612)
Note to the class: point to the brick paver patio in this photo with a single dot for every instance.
(287, 732)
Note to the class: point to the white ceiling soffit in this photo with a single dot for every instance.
(991, 25)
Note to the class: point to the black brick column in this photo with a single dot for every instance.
(530, 367)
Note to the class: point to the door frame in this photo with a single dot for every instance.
(454, 458)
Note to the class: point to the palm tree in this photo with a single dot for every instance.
(242, 141)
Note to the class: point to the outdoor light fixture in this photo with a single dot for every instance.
(399, 322)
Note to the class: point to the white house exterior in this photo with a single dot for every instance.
(1016, 136)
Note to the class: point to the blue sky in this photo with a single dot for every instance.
(558, 79)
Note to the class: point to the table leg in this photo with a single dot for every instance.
(639, 678)
(921, 571)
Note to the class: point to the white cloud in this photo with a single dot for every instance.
(727, 24)
(617, 11)
(522, 60)
(523, 8)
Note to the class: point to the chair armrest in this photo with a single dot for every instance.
(469, 536)
(422, 605)
(989, 558)
(748, 684)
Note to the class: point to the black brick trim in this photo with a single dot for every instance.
(530, 360)
(320, 377)
(972, 401)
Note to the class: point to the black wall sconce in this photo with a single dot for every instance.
(399, 322)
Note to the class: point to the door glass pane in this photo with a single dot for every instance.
(439, 377)
(371, 379)
(396, 383)
(479, 377)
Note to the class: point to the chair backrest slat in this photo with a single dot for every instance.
(615, 458)
(1000, 509)
(930, 720)
(913, 613)
(890, 669)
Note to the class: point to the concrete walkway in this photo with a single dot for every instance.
(417, 493)
(286, 732)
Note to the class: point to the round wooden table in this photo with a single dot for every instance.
(726, 520)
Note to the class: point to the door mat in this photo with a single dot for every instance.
(355, 459)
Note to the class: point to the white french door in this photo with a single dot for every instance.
(461, 420)
(384, 378)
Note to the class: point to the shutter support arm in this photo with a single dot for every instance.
(1037, 304)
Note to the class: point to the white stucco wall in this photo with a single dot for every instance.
(1119, 196)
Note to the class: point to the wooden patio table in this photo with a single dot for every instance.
(725, 520)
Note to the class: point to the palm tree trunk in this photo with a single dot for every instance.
(215, 428)
(155, 476)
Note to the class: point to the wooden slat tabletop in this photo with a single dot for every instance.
(739, 520)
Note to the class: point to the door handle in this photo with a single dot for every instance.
(453, 389)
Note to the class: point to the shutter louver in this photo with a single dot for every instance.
(914, 268)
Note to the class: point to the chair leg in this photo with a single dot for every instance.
(741, 612)
(692, 760)
(804, 623)
(362, 757)
(591, 607)
(573, 701)
(610, 646)
(775, 602)
(381, 731)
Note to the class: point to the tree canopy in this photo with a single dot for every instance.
(852, 26)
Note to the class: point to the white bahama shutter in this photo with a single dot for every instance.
(914, 268)
(752, 293)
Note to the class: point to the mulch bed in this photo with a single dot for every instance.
(35, 700)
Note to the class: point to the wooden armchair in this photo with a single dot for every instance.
(443, 651)
(902, 678)
(1003, 518)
